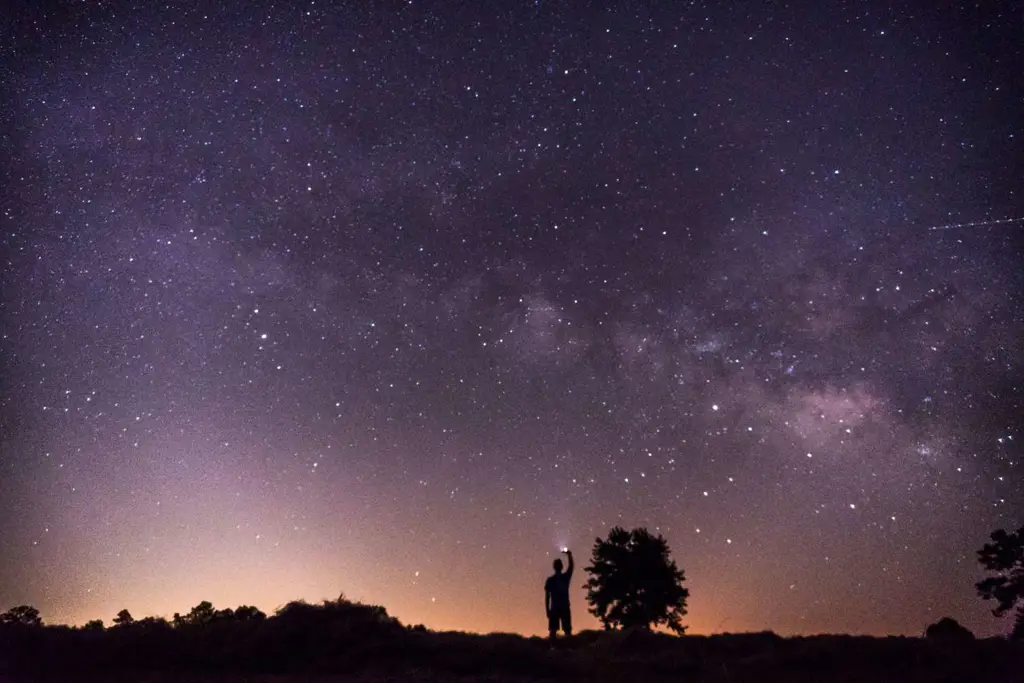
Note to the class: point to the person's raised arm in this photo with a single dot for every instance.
(569, 569)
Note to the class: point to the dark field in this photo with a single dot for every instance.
(343, 641)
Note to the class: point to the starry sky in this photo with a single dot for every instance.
(395, 299)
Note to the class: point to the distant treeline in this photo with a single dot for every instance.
(343, 637)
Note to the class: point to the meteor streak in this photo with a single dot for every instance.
(976, 224)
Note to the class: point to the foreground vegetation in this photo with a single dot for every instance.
(342, 640)
(634, 585)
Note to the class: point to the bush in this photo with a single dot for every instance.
(948, 629)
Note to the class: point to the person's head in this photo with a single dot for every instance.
(557, 564)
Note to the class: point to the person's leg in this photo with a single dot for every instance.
(567, 622)
(552, 625)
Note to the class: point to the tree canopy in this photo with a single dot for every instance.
(22, 615)
(200, 615)
(248, 612)
(1005, 557)
(634, 582)
(948, 629)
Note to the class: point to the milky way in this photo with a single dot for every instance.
(395, 302)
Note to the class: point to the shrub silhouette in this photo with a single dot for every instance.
(634, 582)
(1005, 556)
(152, 623)
(22, 615)
(94, 625)
(948, 629)
(248, 613)
(124, 618)
(200, 615)
(343, 640)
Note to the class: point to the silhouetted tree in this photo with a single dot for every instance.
(1005, 556)
(948, 629)
(249, 613)
(94, 625)
(635, 582)
(124, 618)
(152, 623)
(200, 615)
(23, 615)
(295, 607)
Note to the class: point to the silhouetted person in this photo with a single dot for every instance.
(556, 598)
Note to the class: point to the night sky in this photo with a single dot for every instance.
(396, 299)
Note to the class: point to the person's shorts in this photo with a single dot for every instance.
(561, 618)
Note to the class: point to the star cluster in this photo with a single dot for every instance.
(396, 300)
